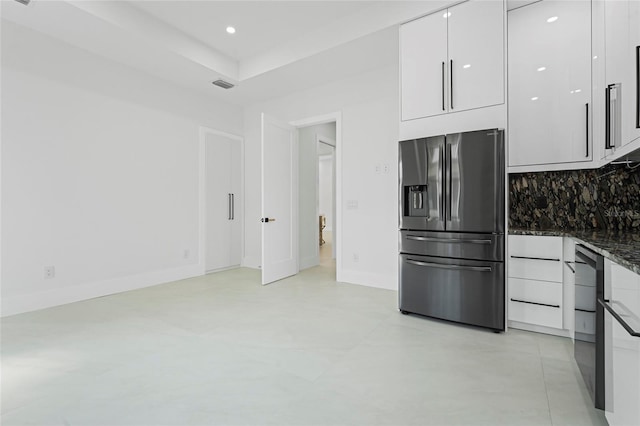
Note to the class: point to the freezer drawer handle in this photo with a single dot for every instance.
(618, 317)
(455, 267)
(535, 258)
(534, 303)
(446, 240)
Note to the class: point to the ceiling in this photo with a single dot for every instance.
(279, 46)
(260, 25)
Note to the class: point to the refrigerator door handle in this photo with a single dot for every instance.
(449, 183)
(447, 240)
(441, 169)
(454, 267)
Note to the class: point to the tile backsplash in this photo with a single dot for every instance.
(605, 198)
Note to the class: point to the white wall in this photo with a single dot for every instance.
(369, 106)
(99, 173)
(308, 191)
(325, 196)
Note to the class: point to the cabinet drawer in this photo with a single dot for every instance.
(535, 246)
(535, 269)
(535, 302)
(536, 258)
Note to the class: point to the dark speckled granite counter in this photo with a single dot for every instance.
(622, 247)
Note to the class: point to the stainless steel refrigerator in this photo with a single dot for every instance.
(452, 222)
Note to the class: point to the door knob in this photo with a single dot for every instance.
(266, 219)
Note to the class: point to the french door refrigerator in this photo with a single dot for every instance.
(452, 222)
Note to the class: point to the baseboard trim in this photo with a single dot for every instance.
(538, 329)
(14, 305)
(387, 282)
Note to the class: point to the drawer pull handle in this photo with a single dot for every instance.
(535, 258)
(534, 303)
(454, 267)
(585, 310)
(623, 323)
(446, 240)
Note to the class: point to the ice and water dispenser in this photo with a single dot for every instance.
(415, 201)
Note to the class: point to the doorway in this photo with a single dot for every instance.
(316, 157)
(326, 190)
(294, 229)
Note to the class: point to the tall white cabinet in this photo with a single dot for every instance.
(622, 45)
(452, 60)
(549, 70)
(223, 201)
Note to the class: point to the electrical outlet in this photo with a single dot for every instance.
(185, 254)
(385, 168)
(377, 169)
(49, 272)
(356, 257)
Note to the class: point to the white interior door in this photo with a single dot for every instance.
(279, 200)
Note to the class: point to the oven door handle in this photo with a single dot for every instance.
(446, 240)
(605, 304)
(453, 267)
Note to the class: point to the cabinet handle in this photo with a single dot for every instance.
(228, 206)
(233, 206)
(637, 87)
(568, 263)
(535, 258)
(607, 117)
(451, 82)
(623, 323)
(534, 303)
(585, 310)
(587, 128)
(443, 107)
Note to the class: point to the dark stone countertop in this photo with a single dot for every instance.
(622, 247)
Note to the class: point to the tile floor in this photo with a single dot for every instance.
(223, 350)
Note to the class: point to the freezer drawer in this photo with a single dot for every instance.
(465, 291)
(451, 244)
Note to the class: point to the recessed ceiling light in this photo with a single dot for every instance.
(231, 30)
(466, 66)
(552, 19)
(535, 98)
(542, 68)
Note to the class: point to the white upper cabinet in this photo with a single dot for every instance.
(549, 75)
(453, 60)
(622, 47)
(423, 67)
(476, 55)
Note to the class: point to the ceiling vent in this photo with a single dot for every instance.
(223, 84)
(25, 2)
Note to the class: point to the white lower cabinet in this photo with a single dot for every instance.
(622, 349)
(535, 297)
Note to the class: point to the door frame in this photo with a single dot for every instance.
(202, 194)
(337, 224)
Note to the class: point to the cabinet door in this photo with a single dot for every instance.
(634, 77)
(476, 54)
(423, 60)
(218, 151)
(236, 205)
(549, 83)
(622, 35)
